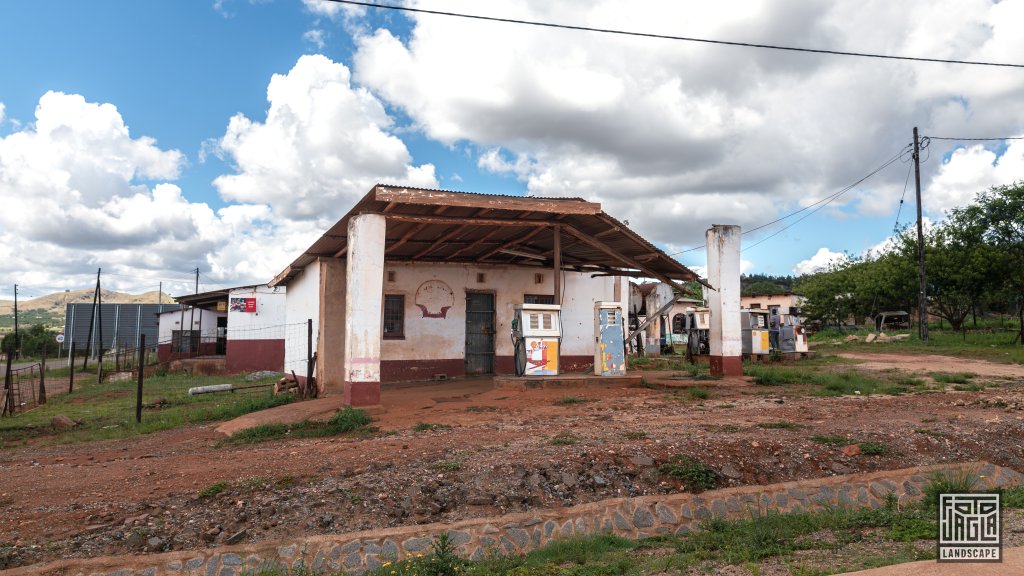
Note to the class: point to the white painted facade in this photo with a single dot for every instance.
(427, 337)
(267, 323)
(302, 303)
(203, 320)
(435, 319)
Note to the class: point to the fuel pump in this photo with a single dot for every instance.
(610, 340)
(536, 335)
(755, 332)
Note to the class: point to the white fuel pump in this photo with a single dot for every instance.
(536, 335)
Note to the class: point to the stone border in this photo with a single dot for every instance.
(638, 517)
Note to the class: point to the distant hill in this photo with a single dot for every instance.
(53, 304)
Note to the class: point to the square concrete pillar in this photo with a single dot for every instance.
(723, 245)
(364, 287)
(330, 352)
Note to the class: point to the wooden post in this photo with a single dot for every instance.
(99, 367)
(42, 378)
(309, 358)
(71, 376)
(8, 399)
(138, 393)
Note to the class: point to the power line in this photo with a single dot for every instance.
(975, 139)
(670, 37)
(830, 200)
(823, 202)
(896, 226)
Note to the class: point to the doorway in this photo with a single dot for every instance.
(479, 333)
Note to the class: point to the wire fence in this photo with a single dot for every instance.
(287, 349)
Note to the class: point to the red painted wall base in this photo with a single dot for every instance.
(362, 393)
(726, 366)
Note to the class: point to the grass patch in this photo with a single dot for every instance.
(564, 438)
(635, 435)
(698, 393)
(952, 377)
(930, 432)
(106, 411)
(447, 466)
(570, 400)
(213, 490)
(691, 472)
(947, 481)
(427, 426)
(873, 448)
(969, 387)
(784, 425)
(344, 421)
(831, 440)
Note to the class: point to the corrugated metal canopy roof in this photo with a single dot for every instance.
(441, 226)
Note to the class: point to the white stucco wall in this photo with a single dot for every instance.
(204, 320)
(267, 323)
(301, 303)
(445, 337)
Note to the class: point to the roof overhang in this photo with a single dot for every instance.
(460, 227)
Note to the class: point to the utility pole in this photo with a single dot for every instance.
(17, 337)
(92, 321)
(160, 295)
(922, 294)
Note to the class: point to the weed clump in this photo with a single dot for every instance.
(691, 472)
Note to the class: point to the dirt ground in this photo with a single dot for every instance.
(147, 493)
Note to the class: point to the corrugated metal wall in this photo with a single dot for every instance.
(121, 324)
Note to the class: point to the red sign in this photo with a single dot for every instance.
(243, 305)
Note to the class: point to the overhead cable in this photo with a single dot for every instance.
(671, 37)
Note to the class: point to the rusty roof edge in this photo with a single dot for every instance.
(608, 218)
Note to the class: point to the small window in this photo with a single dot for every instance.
(538, 299)
(755, 306)
(538, 278)
(481, 278)
(394, 316)
(391, 275)
(184, 341)
(678, 324)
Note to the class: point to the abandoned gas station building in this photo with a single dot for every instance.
(243, 327)
(414, 284)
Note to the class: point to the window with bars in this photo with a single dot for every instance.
(185, 341)
(538, 299)
(394, 316)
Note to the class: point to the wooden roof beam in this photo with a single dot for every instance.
(601, 246)
(408, 236)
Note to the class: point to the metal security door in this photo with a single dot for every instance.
(479, 333)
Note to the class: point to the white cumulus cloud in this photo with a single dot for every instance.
(323, 144)
(674, 135)
(970, 170)
(820, 261)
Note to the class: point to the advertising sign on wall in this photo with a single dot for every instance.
(243, 305)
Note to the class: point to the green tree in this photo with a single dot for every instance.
(999, 212)
(32, 341)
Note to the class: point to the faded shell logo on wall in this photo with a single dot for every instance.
(434, 298)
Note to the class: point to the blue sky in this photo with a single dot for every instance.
(196, 168)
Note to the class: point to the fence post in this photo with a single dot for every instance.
(71, 376)
(99, 367)
(42, 378)
(309, 358)
(8, 399)
(138, 393)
